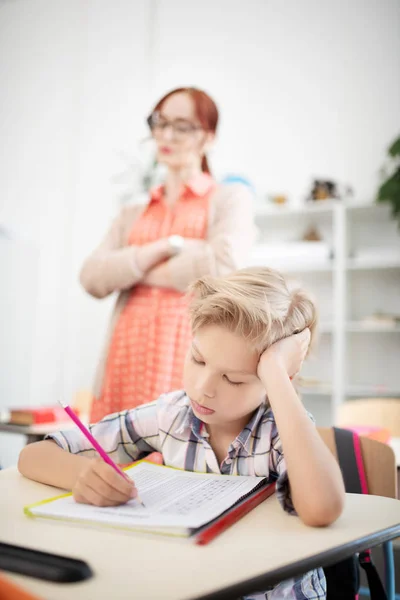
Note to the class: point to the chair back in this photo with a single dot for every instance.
(379, 463)
(371, 412)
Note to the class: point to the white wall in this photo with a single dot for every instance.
(305, 89)
(74, 76)
(114, 101)
(40, 49)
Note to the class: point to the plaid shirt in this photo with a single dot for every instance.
(169, 426)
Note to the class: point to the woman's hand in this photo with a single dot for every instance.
(97, 483)
(152, 254)
(288, 354)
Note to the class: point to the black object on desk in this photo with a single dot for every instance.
(43, 565)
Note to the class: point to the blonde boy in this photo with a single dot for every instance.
(238, 413)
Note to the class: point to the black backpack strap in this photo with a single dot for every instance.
(376, 589)
(350, 461)
(348, 450)
(343, 579)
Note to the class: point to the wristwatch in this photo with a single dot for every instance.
(176, 243)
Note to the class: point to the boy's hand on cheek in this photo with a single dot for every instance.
(98, 484)
(287, 354)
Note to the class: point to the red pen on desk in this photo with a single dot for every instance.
(94, 443)
(209, 532)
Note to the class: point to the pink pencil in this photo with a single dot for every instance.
(94, 443)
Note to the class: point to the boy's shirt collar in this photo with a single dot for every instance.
(243, 439)
(244, 436)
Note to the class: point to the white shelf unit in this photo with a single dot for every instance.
(354, 358)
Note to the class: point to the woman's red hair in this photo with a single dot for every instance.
(205, 108)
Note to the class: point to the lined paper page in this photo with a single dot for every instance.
(172, 499)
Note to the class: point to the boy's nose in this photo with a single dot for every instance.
(207, 394)
(207, 389)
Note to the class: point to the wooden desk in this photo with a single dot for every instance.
(265, 547)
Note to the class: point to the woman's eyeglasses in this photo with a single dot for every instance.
(180, 127)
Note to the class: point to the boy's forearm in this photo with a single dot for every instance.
(315, 479)
(48, 463)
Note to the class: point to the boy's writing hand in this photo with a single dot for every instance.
(288, 354)
(97, 483)
(156, 458)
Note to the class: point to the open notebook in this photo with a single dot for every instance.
(175, 502)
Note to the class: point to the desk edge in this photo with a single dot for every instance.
(325, 559)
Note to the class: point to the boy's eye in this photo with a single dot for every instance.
(198, 362)
(233, 382)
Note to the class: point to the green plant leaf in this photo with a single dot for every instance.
(394, 149)
(389, 192)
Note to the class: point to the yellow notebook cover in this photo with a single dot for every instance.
(176, 502)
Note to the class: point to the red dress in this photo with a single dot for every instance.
(152, 335)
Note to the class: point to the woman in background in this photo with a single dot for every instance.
(190, 227)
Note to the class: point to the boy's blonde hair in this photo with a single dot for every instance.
(255, 303)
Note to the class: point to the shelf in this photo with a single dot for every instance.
(360, 327)
(352, 391)
(361, 205)
(283, 210)
(372, 391)
(368, 207)
(354, 264)
(323, 266)
(360, 274)
(266, 209)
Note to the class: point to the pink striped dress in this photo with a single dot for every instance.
(152, 335)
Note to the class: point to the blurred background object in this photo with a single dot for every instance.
(389, 190)
(329, 190)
